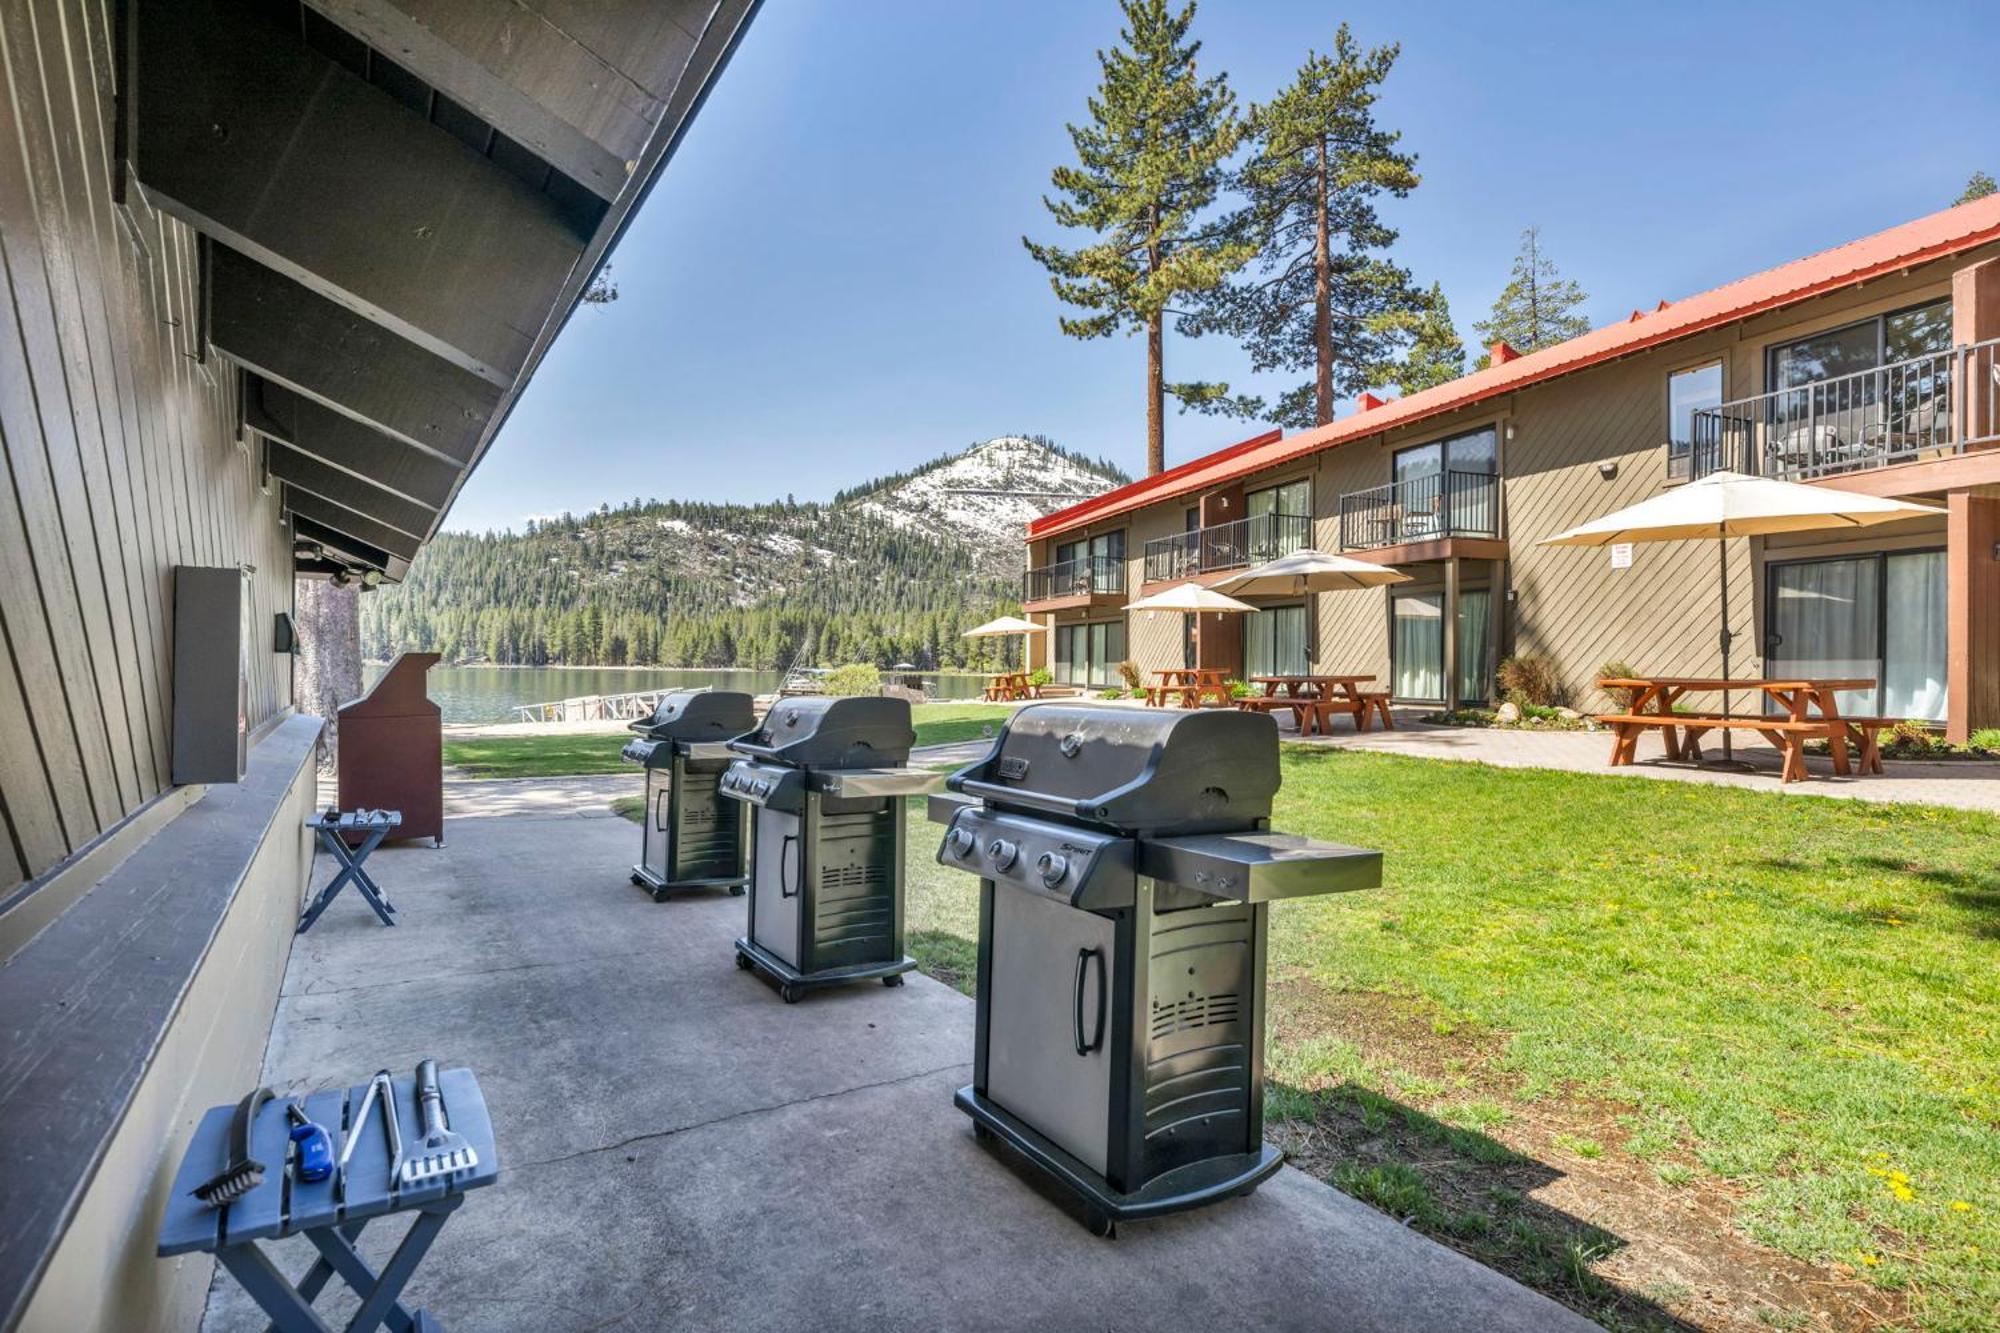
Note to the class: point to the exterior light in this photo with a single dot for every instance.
(1607, 469)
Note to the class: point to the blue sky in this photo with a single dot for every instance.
(828, 282)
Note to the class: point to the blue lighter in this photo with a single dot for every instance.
(315, 1146)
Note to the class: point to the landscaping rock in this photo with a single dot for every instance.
(1507, 712)
(1569, 715)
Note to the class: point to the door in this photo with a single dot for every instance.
(1416, 646)
(659, 828)
(1049, 994)
(1878, 616)
(776, 876)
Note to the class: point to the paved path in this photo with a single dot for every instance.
(1968, 785)
(681, 1150)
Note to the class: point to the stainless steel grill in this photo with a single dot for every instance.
(1126, 867)
(824, 779)
(690, 838)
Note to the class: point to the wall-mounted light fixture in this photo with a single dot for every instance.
(1607, 469)
(1510, 430)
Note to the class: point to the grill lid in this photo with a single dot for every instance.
(1138, 770)
(698, 715)
(861, 731)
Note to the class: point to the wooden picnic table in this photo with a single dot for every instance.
(1810, 711)
(1313, 698)
(1008, 686)
(1191, 684)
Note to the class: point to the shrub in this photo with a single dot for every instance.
(1621, 700)
(1129, 671)
(854, 678)
(1986, 738)
(1238, 690)
(1112, 693)
(1041, 676)
(1530, 678)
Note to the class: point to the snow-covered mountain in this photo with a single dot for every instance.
(987, 495)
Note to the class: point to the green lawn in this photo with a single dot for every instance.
(1793, 1002)
(566, 755)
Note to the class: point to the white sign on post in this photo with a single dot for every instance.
(1621, 555)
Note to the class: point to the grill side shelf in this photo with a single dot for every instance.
(1259, 867)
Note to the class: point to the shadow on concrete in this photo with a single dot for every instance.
(1460, 1187)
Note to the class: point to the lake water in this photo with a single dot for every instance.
(488, 694)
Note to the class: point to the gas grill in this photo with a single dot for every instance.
(824, 778)
(1126, 866)
(690, 838)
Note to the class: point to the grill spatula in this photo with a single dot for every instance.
(437, 1151)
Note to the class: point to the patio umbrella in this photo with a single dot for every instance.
(1188, 597)
(1007, 627)
(1733, 504)
(1308, 571)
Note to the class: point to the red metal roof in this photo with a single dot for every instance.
(1951, 231)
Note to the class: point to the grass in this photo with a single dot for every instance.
(570, 754)
(1798, 998)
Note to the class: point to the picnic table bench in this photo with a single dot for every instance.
(1314, 698)
(1008, 687)
(1810, 712)
(1191, 685)
(330, 1213)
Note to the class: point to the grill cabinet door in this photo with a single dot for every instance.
(1034, 1021)
(775, 888)
(659, 806)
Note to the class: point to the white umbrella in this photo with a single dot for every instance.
(1733, 504)
(1308, 571)
(1006, 627)
(1188, 597)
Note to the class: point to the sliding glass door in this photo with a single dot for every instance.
(1274, 641)
(1473, 682)
(1090, 654)
(1416, 645)
(1878, 617)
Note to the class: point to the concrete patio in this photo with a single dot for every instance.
(680, 1149)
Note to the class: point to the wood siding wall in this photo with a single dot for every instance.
(120, 454)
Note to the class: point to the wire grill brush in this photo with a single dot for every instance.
(243, 1172)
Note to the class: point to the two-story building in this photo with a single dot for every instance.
(1871, 367)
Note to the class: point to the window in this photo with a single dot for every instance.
(1098, 562)
(1280, 520)
(1818, 425)
(1441, 486)
(1416, 645)
(1274, 641)
(1877, 616)
(1690, 391)
(1090, 654)
(1475, 631)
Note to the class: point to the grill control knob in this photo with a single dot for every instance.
(1004, 853)
(1053, 868)
(961, 842)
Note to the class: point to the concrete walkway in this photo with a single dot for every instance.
(1966, 784)
(681, 1150)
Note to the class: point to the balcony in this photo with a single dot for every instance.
(1927, 407)
(1247, 541)
(1434, 508)
(1080, 582)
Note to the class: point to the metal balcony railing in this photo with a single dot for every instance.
(1082, 577)
(1926, 407)
(1247, 541)
(1421, 509)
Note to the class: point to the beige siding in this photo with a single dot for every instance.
(120, 457)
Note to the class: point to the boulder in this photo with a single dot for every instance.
(1507, 712)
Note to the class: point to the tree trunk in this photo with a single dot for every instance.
(1156, 397)
(329, 660)
(1322, 302)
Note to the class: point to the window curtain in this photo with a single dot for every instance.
(1416, 645)
(1475, 628)
(1913, 680)
(1274, 642)
(1824, 618)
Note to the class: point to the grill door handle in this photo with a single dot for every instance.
(1096, 1040)
(784, 856)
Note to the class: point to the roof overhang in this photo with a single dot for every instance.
(401, 203)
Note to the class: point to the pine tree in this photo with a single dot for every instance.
(1324, 300)
(1149, 164)
(1436, 355)
(1978, 187)
(1537, 308)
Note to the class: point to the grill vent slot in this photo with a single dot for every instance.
(874, 876)
(1191, 1012)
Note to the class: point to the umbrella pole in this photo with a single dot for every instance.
(1722, 567)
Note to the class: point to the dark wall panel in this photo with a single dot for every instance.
(120, 456)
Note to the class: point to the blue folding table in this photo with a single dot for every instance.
(334, 827)
(332, 1212)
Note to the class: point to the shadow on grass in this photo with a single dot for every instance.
(950, 958)
(1966, 890)
(1459, 1187)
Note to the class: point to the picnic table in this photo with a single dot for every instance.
(1190, 684)
(1008, 686)
(330, 1213)
(1314, 697)
(335, 829)
(1809, 711)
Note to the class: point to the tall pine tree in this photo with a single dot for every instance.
(1977, 187)
(1537, 308)
(1149, 164)
(1324, 299)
